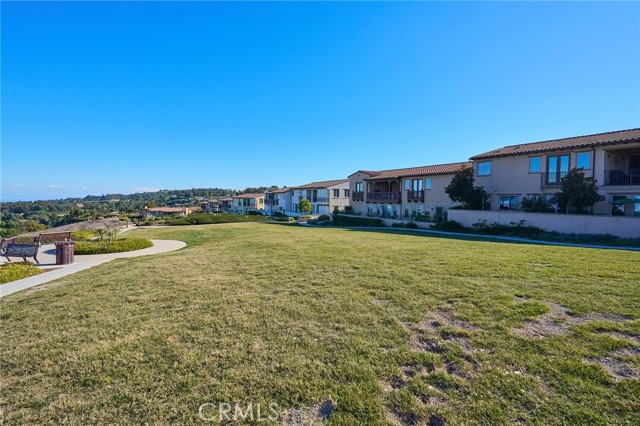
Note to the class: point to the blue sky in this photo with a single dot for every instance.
(126, 97)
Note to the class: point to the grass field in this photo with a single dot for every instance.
(335, 326)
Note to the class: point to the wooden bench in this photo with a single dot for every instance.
(6, 242)
(53, 236)
(20, 250)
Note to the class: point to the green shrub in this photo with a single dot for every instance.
(411, 225)
(102, 247)
(323, 217)
(449, 225)
(17, 271)
(85, 235)
(208, 218)
(340, 220)
(283, 218)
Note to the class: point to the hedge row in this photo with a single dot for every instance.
(102, 247)
(208, 218)
(17, 271)
(340, 220)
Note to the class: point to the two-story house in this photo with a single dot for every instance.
(244, 203)
(415, 192)
(277, 200)
(324, 196)
(536, 169)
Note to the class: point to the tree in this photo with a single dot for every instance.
(461, 189)
(577, 193)
(305, 206)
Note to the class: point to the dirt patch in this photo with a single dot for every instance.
(439, 328)
(309, 416)
(616, 367)
(558, 321)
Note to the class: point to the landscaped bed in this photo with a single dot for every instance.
(105, 246)
(336, 326)
(17, 271)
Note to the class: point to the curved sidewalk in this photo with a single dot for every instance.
(47, 257)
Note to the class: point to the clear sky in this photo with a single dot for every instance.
(127, 97)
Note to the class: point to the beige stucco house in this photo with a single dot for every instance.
(325, 196)
(415, 192)
(244, 203)
(535, 169)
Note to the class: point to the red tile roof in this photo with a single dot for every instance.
(438, 169)
(277, 190)
(254, 195)
(609, 138)
(322, 184)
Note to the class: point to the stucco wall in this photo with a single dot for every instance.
(621, 226)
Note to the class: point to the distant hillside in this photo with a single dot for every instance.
(28, 216)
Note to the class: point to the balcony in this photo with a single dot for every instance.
(551, 180)
(622, 177)
(415, 196)
(270, 201)
(357, 195)
(383, 197)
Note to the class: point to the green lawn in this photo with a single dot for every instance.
(384, 327)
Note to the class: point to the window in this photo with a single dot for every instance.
(509, 202)
(534, 165)
(407, 184)
(427, 183)
(346, 193)
(484, 169)
(336, 193)
(636, 206)
(358, 186)
(583, 160)
(557, 168)
(416, 185)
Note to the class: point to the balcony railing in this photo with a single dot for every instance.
(383, 197)
(357, 195)
(415, 196)
(551, 179)
(622, 177)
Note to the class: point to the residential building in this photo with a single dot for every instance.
(415, 192)
(536, 169)
(217, 205)
(244, 203)
(325, 196)
(166, 211)
(277, 200)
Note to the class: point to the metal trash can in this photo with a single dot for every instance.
(64, 252)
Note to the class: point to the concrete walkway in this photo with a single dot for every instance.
(47, 257)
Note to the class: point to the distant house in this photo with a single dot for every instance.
(245, 203)
(217, 205)
(165, 211)
(403, 193)
(324, 196)
(536, 169)
(277, 200)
